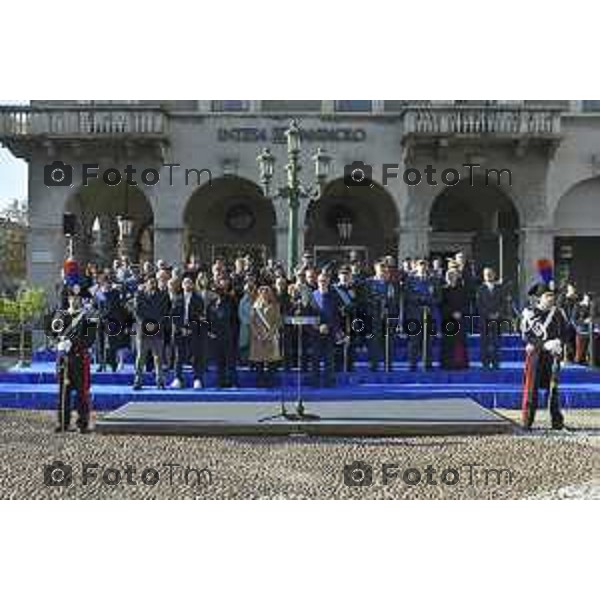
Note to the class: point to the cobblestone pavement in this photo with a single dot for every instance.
(542, 464)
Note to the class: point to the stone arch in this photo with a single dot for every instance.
(578, 209)
(480, 220)
(228, 216)
(102, 204)
(371, 210)
(576, 221)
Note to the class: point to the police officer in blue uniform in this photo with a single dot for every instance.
(384, 303)
(326, 306)
(352, 312)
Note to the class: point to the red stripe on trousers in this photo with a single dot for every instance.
(527, 384)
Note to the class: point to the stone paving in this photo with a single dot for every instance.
(542, 464)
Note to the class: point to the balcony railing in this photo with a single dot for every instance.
(28, 121)
(443, 121)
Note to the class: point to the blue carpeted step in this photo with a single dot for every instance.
(511, 348)
(511, 372)
(107, 397)
(35, 387)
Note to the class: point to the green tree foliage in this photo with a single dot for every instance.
(22, 312)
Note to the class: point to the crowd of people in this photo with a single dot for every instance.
(247, 314)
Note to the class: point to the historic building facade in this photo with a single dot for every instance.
(540, 199)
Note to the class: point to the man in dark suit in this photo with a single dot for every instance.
(468, 273)
(327, 308)
(223, 324)
(353, 302)
(189, 330)
(107, 302)
(152, 310)
(490, 302)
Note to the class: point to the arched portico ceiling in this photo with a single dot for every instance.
(423, 198)
(203, 197)
(371, 209)
(578, 210)
(96, 208)
(229, 212)
(473, 208)
(99, 199)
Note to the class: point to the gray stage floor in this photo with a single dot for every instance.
(363, 418)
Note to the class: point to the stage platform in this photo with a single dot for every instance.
(450, 416)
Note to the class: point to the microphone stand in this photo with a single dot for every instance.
(300, 414)
(592, 333)
(425, 348)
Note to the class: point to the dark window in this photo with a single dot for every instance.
(291, 105)
(229, 105)
(590, 106)
(393, 105)
(353, 105)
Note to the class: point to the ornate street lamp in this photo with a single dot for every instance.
(96, 227)
(125, 225)
(294, 190)
(292, 135)
(266, 166)
(322, 162)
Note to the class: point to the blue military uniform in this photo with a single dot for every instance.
(384, 303)
(326, 307)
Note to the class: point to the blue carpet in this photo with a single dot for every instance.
(35, 387)
(107, 396)
(510, 372)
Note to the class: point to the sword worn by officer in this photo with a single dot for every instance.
(64, 389)
(425, 349)
(554, 379)
(592, 340)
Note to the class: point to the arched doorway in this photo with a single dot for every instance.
(228, 218)
(481, 221)
(97, 209)
(343, 219)
(577, 236)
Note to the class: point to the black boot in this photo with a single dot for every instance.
(529, 418)
(558, 421)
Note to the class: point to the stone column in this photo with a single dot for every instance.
(46, 243)
(413, 241)
(108, 238)
(535, 243)
(168, 244)
(46, 247)
(281, 243)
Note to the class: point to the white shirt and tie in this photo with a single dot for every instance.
(187, 296)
